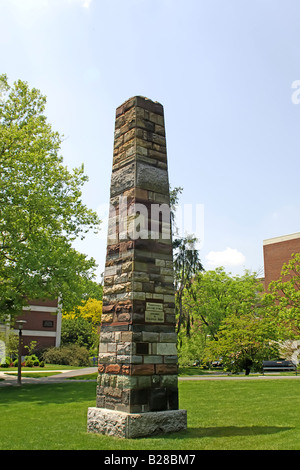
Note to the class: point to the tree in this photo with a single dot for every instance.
(41, 211)
(90, 309)
(78, 331)
(229, 320)
(214, 295)
(174, 197)
(186, 265)
(11, 341)
(243, 342)
(283, 297)
(191, 349)
(82, 325)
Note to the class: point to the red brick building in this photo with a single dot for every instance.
(278, 251)
(43, 324)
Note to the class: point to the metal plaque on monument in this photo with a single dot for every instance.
(137, 390)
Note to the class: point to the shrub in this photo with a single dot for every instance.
(70, 355)
(78, 331)
(31, 361)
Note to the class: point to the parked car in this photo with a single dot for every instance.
(217, 364)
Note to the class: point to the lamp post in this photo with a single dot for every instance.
(20, 324)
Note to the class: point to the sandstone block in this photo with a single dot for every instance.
(135, 425)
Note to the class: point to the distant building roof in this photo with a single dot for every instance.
(283, 238)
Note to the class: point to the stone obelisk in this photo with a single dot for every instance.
(137, 391)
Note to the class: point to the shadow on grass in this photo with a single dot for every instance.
(224, 431)
(231, 431)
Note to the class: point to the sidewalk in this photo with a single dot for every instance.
(66, 376)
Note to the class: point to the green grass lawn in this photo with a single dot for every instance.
(251, 414)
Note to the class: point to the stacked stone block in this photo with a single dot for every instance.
(137, 353)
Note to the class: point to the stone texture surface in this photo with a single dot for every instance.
(135, 425)
(137, 360)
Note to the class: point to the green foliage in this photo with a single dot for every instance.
(191, 348)
(213, 295)
(11, 341)
(186, 265)
(71, 355)
(78, 330)
(6, 364)
(31, 347)
(41, 211)
(94, 290)
(174, 197)
(243, 342)
(284, 300)
(32, 361)
(228, 317)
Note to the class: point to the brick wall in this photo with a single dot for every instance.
(42, 324)
(278, 251)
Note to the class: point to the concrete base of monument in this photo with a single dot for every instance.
(133, 425)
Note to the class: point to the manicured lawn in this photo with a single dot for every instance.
(231, 414)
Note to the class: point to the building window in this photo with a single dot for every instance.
(48, 323)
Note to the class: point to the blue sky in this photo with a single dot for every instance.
(223, 70)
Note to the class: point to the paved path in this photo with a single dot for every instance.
(62, 376)
(66, 376)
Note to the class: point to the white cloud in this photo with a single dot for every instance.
(228, 257)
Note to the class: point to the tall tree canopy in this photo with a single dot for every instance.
(214, 295)
(229, 320)
(41, 211)
(186, 264)
(244, 341)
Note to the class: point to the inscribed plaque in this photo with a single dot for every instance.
(154, 312)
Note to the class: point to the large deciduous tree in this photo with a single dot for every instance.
(244, 341)
(229, 316)
(214, 295)
(41, 210)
